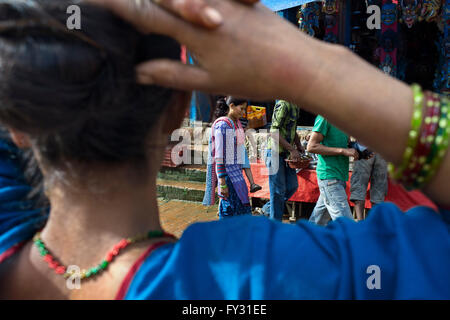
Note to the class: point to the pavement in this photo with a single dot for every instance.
(177, 215)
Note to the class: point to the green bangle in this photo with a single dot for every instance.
(223, 186)
(426, 170)
(441, 142)
(416, 123)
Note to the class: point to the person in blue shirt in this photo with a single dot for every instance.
(99, 138)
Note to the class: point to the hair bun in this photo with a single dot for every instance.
(78, 97)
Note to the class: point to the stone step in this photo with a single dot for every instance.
(181, 190)
(194, 173)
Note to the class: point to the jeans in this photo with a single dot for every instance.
(332, 202)
(283, 184)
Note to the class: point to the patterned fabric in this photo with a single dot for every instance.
(221, 170)
(284, 120)
(232, 206)
(224, 148)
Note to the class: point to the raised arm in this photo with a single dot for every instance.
(315, 146)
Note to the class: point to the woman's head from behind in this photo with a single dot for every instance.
(73, 94)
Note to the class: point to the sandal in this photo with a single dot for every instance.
(254, 187)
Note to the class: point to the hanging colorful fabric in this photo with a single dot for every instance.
(331, 10)
(442, 81)
(430, 10)
(308, 17)
(411, 10)
(387, 52)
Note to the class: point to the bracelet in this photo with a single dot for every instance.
(415, 171)
(428, 140)
(441, 142)
(416, 123)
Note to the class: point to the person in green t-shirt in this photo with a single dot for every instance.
(331, 146)
(284, 143)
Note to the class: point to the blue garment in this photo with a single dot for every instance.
(232, 206)
(19, 220)
(257, 258)
(283, 184)
(332, 202)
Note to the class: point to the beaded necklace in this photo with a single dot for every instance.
(102, 266)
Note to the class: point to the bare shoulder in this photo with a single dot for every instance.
(19, 279)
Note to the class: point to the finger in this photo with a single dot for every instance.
(173, 74)
(194, 11)
(146, 16)
(197, 11)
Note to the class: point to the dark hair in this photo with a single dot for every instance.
(222, 108)
(75, 92)
(235, 101)
(223, 105)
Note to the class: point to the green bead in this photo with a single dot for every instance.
(413, 134)
(409, 152)
(95, 270)
(88, 274)
(104, 264)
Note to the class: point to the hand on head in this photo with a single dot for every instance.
(195, 11)
(223, 57)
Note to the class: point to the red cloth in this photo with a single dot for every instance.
(308, 190)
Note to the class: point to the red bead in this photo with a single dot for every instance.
(60, 270)
(123, 243)
(48, 258)
(53, 265)
(109, 257)
(115, 252)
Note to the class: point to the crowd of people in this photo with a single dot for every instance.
(329, 145)
(95, 106)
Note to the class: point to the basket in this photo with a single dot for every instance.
(300, 164)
